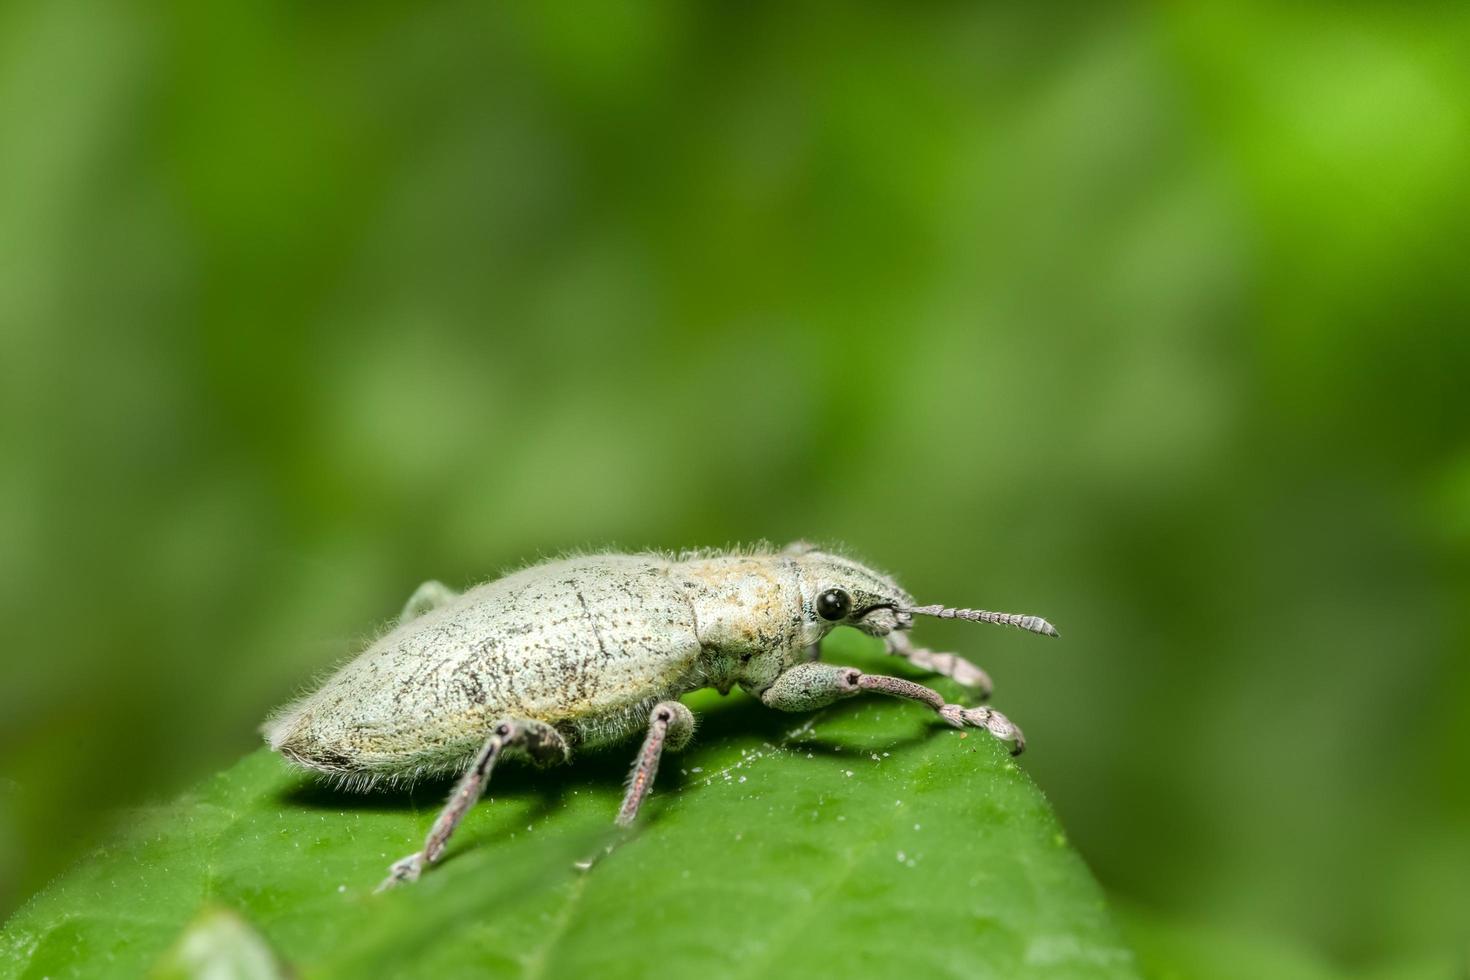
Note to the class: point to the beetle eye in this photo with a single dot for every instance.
(834, 604)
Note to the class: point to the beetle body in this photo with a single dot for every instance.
(587, 645)
(583, 651)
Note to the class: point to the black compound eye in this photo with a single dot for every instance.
(834, 604)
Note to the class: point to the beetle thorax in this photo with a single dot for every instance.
(747, 614)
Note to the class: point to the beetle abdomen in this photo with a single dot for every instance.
(581, 644)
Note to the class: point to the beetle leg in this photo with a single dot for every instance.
(426, 598)
(948, 664)
(807, 686)
(539, 740)
(670, 725)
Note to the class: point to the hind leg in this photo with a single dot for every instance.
(426, 598)
(539, 740)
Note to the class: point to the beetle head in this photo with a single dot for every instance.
(837, 591)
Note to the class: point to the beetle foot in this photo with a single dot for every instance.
(989, 719)
(404, 869)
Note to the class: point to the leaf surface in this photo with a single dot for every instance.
(866, 839)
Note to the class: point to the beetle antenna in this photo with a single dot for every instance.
(1033, 624)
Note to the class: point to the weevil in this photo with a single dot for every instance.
(579, 652)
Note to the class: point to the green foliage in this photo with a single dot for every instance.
(867, 839)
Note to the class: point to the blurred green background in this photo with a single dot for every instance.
(1152, 320)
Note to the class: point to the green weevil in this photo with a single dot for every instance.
(584, 651)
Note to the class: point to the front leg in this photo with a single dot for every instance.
(808, 686)
(948, 664)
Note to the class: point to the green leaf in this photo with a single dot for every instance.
(867, 839)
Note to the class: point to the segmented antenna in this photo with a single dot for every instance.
(1033, 624)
